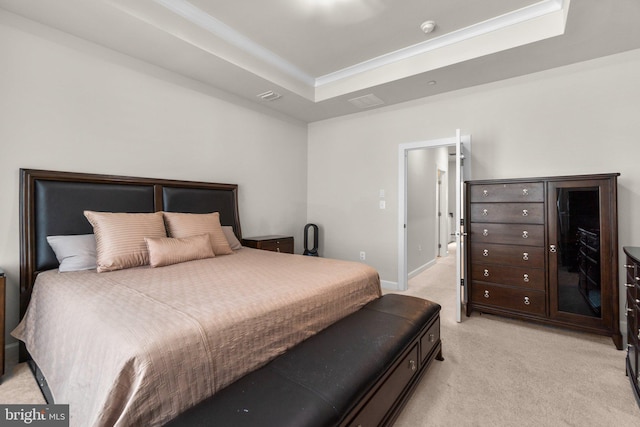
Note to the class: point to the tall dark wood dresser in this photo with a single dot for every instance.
(545, 250)
(632, 285)
(2, 303)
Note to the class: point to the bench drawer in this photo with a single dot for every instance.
(430, 339)
(374, 411)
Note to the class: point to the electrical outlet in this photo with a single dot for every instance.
(363, 256)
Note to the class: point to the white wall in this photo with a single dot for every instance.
(70, 105)
(422, 174)
(578, 119)
(451, 198)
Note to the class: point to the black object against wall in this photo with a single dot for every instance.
(313, 251)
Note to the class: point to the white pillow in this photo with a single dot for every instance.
(234, 243)
(74, 253)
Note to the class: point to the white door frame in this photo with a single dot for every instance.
(441, 213)
(403, 150)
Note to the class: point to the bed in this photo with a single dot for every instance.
(140, 345)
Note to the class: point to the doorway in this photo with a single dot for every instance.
(442, 199)
(462, 146)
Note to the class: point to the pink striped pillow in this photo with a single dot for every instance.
(120, 237)
(188, 224)
(172, 250)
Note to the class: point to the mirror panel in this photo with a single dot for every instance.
(578, 232)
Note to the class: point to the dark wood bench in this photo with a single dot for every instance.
(359, 371)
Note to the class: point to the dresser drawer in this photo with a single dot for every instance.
(2, 320)
(518, 256)
(523, 300)
(523, 277)
(633, 356)
(632, 309)
(632, 283)
(508, 234)
(511, 192)
(522, 213)
(270, 243)
(429, 339)
(279, 245)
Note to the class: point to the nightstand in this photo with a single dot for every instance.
(270, 243)
(2, 287)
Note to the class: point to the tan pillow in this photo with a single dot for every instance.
(234, 243)
(170, 250)
(120, 238)
(188, 224)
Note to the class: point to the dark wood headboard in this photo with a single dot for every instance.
(52, 203)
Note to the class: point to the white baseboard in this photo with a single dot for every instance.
(422, 268)
(393, 286)
(388, 285)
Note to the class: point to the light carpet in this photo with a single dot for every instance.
(496, 372)
(502, 372)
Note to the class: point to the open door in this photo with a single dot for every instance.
(462, 145)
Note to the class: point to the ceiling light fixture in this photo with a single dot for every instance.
(428, 26)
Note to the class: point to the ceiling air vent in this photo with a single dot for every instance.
(366, 101)
(269, 96)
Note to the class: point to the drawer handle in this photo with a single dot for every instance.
(553, 248)
(526, 301)
(486, 294)
(485, 212)
(277, 249)
(628, 266)
(432, 337)
(525, 192)
(629, 285)
(525, 234)
(412, 365)
(485, 193)
(526, 278)
(525, 256)
(486, 273)
(485, 252)
(525, 212)
(485, 232)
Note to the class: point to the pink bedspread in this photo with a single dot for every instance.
(138, 346)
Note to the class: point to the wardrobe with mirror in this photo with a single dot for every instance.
(545, 250)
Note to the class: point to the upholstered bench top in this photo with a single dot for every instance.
(321, 380)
